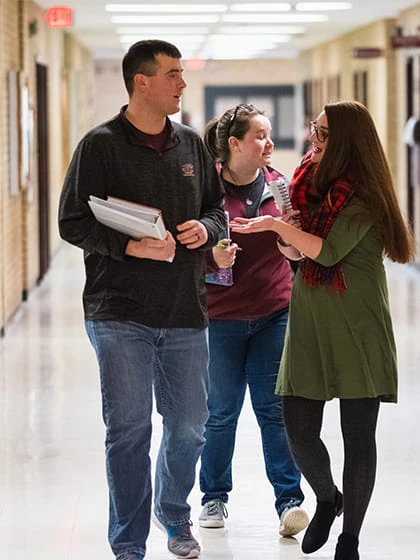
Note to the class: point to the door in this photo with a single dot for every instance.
(43, 177)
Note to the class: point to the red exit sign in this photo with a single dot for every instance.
(59, 16)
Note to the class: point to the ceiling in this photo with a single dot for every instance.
(230, 30)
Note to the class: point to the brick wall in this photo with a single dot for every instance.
(3, 162)
(11, 206)
(25, 41)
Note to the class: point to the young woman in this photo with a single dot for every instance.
(247, 323)
(340, 341)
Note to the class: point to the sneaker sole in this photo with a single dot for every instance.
(211, 523)
(294, 523)
(193, 554)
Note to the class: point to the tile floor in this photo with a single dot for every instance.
(53, 497)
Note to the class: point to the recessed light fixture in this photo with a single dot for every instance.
(190, 40)
(158, 30)
(273, 18)
(243, 40)
(261, 29)
(167, 8)
(322, 6)
(262, 7)
(166, 20)
(253, 27)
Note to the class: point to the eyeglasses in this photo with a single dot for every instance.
(235, 113)
(320, 132)
(232, 119)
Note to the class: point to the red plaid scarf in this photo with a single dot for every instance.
(319, 223)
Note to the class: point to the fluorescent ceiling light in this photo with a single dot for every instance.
(159, 30)
(189, 40)
(227, 54)
(261, 29)
(322, 6)
(170, 19)
(187, 50)
(252, 39)
(263, 7)
(167, 8)
(273, 18)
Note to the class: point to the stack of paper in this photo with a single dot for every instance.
(131, 218)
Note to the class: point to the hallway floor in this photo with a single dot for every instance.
(53, 496)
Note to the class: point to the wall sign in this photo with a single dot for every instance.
(405, 41)
(366, 52)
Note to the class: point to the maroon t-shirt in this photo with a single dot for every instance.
(156, 141)
(262, 277)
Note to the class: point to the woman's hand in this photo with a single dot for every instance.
(306, 243)
(292, 218)
(254, 225)
(265, 223)
(224, 253)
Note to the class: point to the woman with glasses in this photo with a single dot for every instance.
(340, 341)
(248, 318)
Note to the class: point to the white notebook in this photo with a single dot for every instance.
(131, 218)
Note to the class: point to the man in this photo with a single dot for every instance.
(145, 316)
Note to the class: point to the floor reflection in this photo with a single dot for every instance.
(53, 498)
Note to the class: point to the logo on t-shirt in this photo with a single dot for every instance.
(188, 170)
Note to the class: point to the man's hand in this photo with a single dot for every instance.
(155, 249)
(193, 234)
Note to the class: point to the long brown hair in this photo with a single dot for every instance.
(354, 152)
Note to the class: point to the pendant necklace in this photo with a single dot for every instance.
(248, 201)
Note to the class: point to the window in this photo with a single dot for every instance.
(278, 102)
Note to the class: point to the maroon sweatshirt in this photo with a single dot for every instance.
(262, 276)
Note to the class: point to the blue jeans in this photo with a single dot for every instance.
(247, 353)
(133, 359)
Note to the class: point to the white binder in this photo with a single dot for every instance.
(131, 218)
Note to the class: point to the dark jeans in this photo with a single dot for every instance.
(246, 353)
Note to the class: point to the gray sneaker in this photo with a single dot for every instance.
(180, 539)
(293, 520)
(212, 515)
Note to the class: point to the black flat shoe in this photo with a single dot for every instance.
(318, 529)
(347, 547)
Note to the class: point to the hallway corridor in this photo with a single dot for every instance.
(53, 496)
